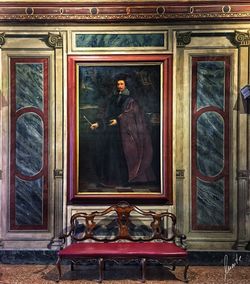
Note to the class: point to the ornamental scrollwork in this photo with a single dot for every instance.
(55, 40)
(242, 38)
(2, 39)
(183, 39)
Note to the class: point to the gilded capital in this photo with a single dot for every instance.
(55, 40)
(183, 39)
(2, 39)
(242, 38)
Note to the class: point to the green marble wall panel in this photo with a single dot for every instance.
(119, 40)
(210, 84)
(29, 202)
(210, 203)
(210, 143)
(29, 144)
(29, 85)
(29, 124)
(210, 135)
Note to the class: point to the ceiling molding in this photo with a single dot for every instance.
(111, 11)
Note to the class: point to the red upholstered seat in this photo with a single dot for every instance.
(125, 249)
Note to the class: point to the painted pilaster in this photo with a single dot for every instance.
(182, 131)
(242, 39)
(2, 42)
(55, 41)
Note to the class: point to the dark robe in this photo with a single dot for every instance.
(127, 148)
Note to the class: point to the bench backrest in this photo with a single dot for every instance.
(122, 222)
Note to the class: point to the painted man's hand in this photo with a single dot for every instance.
(93, 126)
(112, 122)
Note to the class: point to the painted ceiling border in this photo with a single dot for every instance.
(124, 11)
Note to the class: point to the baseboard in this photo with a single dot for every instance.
(196, 257)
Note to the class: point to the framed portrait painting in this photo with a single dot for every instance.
(119, 129)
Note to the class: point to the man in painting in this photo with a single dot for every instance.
(126, 143)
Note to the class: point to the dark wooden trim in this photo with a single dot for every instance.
(166, 196)
(127, 11)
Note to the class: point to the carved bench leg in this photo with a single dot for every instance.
(143, 261)
(101, 265)
(58, 265)
(185, 272)
(72, 268)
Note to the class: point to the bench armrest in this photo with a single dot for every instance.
(180, 238)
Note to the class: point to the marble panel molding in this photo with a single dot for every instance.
(124, 11)
(210, 134)
(29, 144)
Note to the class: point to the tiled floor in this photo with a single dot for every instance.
(122, 274)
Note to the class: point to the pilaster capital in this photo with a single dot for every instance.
(2, 39)
(55, 40)
(183, 38)
(242, 38)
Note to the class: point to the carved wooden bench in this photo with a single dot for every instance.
(124, 231)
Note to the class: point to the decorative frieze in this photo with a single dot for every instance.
(122, 11)
(55, 40)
